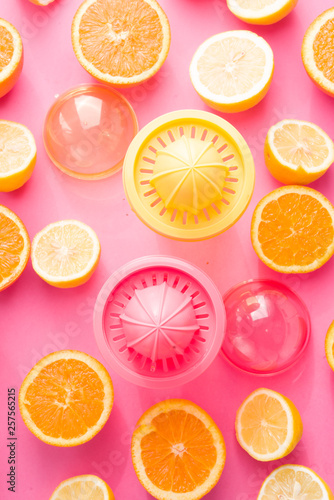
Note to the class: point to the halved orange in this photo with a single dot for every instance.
(14, 247)
(178, 451)
(292, 229)
(121, 43)
(11, 56)
(87, 487)
(66, 398)
(317, 50)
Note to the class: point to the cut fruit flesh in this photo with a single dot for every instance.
(14, 247)
(298, 152)
(65, 253)
(121, 43)
(268, 425)
(293, 229)
(178, 451)
(232, 71)
(294, 482)
(66, 398)
(317, 50)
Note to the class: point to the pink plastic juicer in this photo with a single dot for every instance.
(159, 321)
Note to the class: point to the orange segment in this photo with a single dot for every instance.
(11, 56)
(14, 247)
(293, 229)
(87, 487)
(121, 43)
(317, 51)
(323, 41)
(268, 425)
(66, 398)
(178, 451)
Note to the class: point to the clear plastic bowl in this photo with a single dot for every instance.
(267, 327)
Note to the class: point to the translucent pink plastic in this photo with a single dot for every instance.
(87, 131)
(159, 321)
(267, 327)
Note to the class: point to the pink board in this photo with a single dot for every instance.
(36, 319)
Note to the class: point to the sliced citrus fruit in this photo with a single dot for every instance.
(11, 56)
(292, 229)
(329, 345)
(261, 11)
(66, 253)
(86, 487)
(317, 50)
(232, 71)
(41, 2)
(17, 155)
(294, 482)
(66, 398)
(298, 152)
(14, 247)
(122, 43)
(178, 452)
(268, 425)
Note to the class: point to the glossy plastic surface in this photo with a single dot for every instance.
(159, 322)
(267, 327)
(189, 175)
(87, 131)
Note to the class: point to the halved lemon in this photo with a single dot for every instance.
(261, 11)
(292, 229)
(121, 43)
(14, 247)
(329, 346)
(17, 155)
(66, 253)
(294, 482)
(87, 487)
(11, 56)
(298, 152)
(66, 398)
(317, 50)
(178, 452)
(268, 425)
(232, 71)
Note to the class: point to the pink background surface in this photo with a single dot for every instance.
(36, 319)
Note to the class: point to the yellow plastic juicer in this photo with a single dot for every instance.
(189, 175)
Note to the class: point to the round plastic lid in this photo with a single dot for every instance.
(159, 321)
(189, 175)
(267, 327)
(87, 131)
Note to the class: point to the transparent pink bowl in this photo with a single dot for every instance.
(267, 327)
(159, 321)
